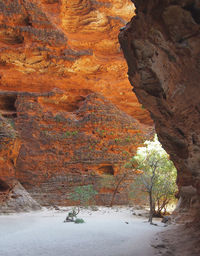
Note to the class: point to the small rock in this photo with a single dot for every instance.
(56, 208)
(166, 219)
(158, 246)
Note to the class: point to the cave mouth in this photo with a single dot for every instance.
(3, 186)
(107, 169)
(7, 106)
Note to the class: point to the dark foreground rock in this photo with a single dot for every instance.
(161, 46)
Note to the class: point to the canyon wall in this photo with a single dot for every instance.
(68, 148)
(65, 96)
(70, 45)
(51, 146)
(161, 45)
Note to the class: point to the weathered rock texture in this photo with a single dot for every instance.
(162, 47)
(69, 143)
(9, 148)
(68, 45)
(55, 55)
(178, 240)
(17, 199)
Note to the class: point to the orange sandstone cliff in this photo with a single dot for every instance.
(69, 45)
(64, 92)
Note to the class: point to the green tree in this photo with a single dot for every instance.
(83, 195)
(157, 177)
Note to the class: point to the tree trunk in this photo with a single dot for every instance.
(151, 208)
(113, 197)
(117, 188)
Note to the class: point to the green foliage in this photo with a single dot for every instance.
(83, 194)
(130, 164)
(128, 139)
(7, 129)
(158, 175)
(59, 118)
(101, 132)
(74, 133)
(79, 221)
(136, 138)
(69, 134)
(126, 154)
(12, 123)
(72, 214)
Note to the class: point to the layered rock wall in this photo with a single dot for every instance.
(68, 45)
(67, 143)
(54, 55)
(161, 46)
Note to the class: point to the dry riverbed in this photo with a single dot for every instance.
(106, 232)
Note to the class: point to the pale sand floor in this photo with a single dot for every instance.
(105, 233)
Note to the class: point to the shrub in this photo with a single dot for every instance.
(79, 221)
(83, 194)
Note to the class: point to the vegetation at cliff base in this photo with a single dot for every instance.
(83, 195)
(157, 178)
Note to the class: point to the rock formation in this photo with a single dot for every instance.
(69, 142)
(69, 45)
(9, 148)
(58, 61)
(17, 199)
(161, 46)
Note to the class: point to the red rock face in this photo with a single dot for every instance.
(68, 45)
(161, 46)
(68, 142)
(9, 148)
(69, 48)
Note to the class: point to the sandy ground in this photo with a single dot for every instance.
(105, 233)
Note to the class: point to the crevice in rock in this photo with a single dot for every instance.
(3, 186)
(194, 10)
(27, 21)
(7, 106)
(180, 132)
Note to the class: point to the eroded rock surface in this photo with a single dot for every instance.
(162, 47)
(17, 199)
(70, 141)
(71, 48)
(9, 149)
(68, 45)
